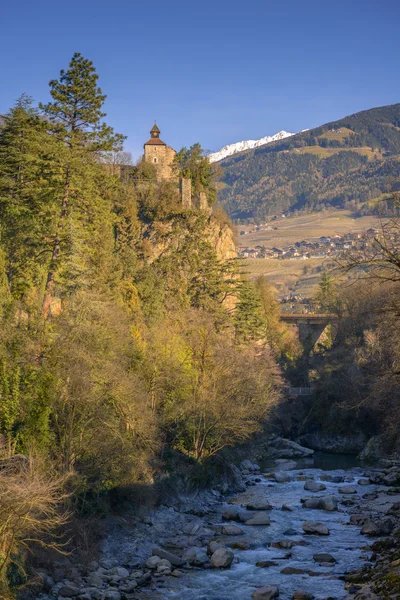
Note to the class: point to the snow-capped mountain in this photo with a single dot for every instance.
(247, 145)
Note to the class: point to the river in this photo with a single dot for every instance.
(344, 542)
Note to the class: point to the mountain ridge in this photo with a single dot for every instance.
(343, 163)
(237, 147)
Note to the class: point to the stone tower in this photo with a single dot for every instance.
(159, 154)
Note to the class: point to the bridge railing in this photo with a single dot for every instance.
(300, 391)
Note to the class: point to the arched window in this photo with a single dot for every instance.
(155, 160)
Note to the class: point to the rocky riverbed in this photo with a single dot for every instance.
(293, 531)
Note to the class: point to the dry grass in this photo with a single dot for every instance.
(338, 135)
(327, 152)
(306, 227)
(289, 273)
(30, 513)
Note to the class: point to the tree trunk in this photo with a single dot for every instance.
(56, 248)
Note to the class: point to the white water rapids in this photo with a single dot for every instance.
(238, 583)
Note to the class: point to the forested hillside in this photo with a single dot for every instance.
(127, 331)
(345, 163)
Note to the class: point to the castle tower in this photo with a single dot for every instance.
(159, 154)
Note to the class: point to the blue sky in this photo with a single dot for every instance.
(212, 71)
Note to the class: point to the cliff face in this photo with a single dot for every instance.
(222, 239)
(162, 236)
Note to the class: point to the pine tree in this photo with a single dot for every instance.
(248, 317)
(26, 191)
(75, 117)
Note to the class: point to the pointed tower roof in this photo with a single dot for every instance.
(155, 137)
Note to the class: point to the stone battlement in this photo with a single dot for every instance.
(161, 157)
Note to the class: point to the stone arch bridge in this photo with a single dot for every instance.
(311, 325)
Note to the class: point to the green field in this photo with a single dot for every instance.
(285, 275)
(305, 227)
(327, 152)
(299, 276)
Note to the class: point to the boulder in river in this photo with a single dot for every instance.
(213, 546)
(231, 514)
(195, 556)
(265, 593)
(370, 528)
(247, 465)
(294, 571)
(302, 596)
(283, 448)
(347, 489)
(315, 528)
(232, 530)
(281, 477)
(222, 558)
(314, 486)
(173, 558)
(287, 544)
(152, 562)
(263, 564)
(260, 518)
(328, 503)
(324, 557)
(363, 481)
(285, 465)
(259, 505)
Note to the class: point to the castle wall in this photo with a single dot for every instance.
(186, 192)
(161, 157)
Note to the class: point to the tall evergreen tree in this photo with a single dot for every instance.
(75, 117)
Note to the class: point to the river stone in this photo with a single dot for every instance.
(323, 557)
(245, 515)
(294, 571)
(240, 545)
(177, 573)
(311, 503)
(230, 514)
(347, 489)
(164, 563)
(331, 478)
(163, 570)
(285, 465)
(314, 486)
(363, 481)
(284, 448)
(287, 544)
(247, 465)
(266, 563)
(232, 530)
(95, 580)
(287, 508)
(265, 593)
(173, 558)
(302, 596)
(281, 477)
(69, 591)
(111, 595)
(329, 503)
(358, 519)
(153, 562)
(260, 518)
(222, 558)
(312, 527)
(290, 531)
(213, 546)
(195, 556)
(370, 528)
(259, 505)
